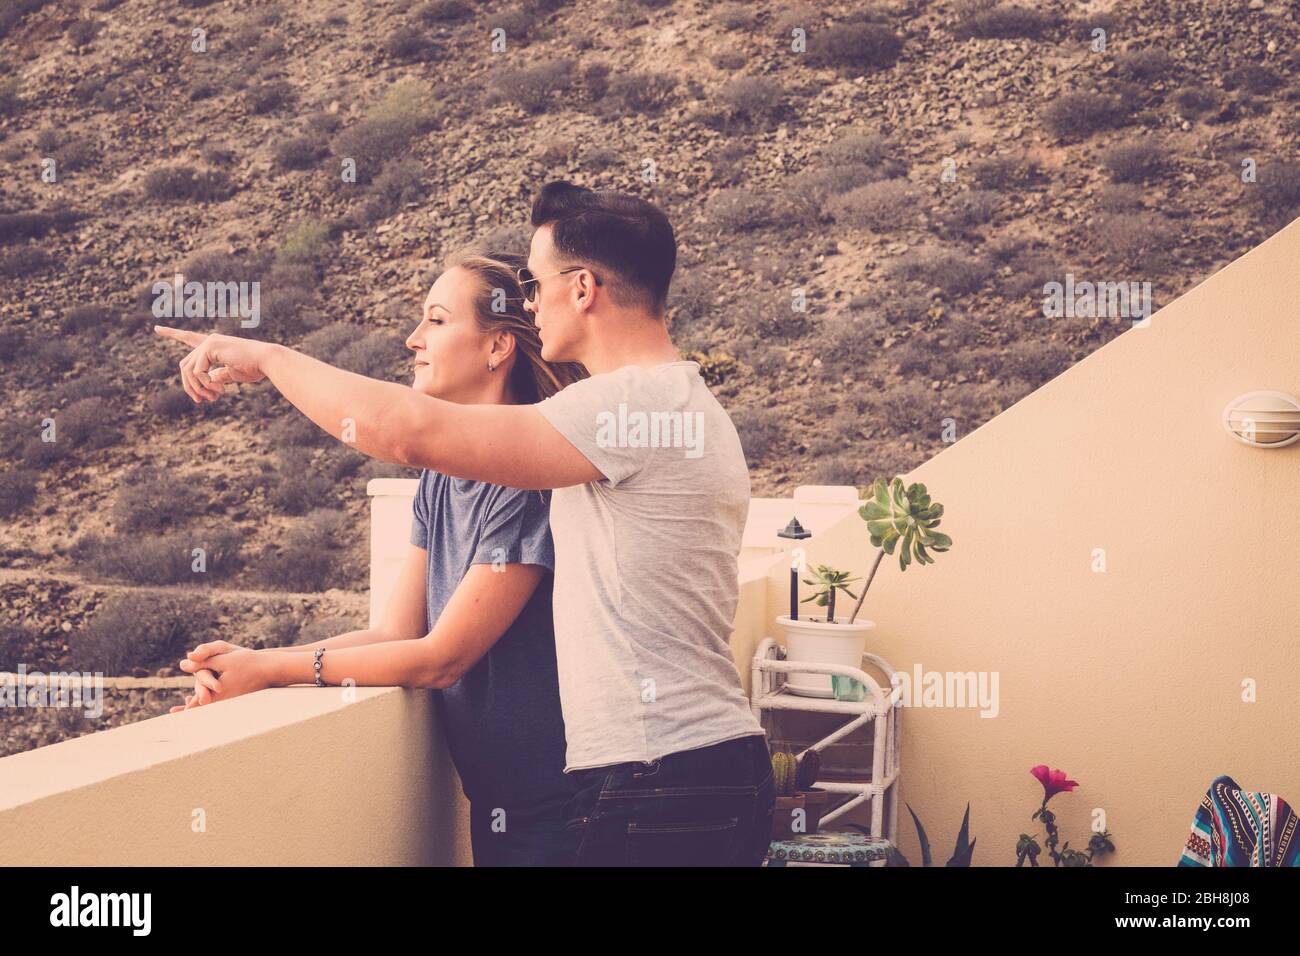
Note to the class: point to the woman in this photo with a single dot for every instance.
(470, 613)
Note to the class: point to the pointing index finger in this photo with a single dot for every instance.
(192, 339)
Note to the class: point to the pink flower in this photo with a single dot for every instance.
(1053, 781)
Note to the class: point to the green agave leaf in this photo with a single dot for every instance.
(921, 837)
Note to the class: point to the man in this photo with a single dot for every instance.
(651, 495)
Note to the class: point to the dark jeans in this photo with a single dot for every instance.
(534, 835)
(706, 807)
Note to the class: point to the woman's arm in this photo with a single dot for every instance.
(481, 609)
(403, 617)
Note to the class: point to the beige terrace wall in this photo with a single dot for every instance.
(289, 776)
(1130, 680)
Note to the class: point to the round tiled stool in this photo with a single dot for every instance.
(831, 848)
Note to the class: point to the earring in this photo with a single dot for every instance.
(491, 367)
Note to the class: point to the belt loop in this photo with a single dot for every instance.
(650, 767)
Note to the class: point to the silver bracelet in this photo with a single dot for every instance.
(316, 665)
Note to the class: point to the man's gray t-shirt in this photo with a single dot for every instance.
(646, 570)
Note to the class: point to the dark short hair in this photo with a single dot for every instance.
(626, 234)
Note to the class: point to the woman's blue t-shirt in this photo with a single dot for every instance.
(502, 719)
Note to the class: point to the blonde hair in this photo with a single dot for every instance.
(499, 307)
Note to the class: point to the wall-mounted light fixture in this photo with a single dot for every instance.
(1263, 419)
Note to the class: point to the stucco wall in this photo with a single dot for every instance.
(1130, 679)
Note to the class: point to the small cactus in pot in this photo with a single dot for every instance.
(784, 773)
(788, 815)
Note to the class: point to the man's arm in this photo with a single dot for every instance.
(512, 445)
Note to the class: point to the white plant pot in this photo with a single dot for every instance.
(816, 642)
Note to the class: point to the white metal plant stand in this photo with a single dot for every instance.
(878, 711)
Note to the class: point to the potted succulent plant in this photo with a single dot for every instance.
(894, 515)
(789, 810)
(799, 803)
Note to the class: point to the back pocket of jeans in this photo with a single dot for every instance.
(709, 843)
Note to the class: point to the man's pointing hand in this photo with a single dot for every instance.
(239, 360)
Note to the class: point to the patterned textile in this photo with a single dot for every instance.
(1235, 827)
(829, 847)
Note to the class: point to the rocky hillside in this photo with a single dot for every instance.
(869, 199)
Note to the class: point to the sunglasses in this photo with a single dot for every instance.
(530, 284)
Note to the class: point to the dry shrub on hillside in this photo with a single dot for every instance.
(761, 432)
(535, 88)
(1135, 239)
(11, 101)
(17, 490)
(1087, 24)
(387, 130)
(305, 558)
(952, 271)
(83, 31)
(410, 45)
(302, 152)
(187, 184)
(1023, 267)
(846, 341)
(1147, 64)
(988, 19)
(1277, 188)
(16, 226)
(809, 190)
(966, 210)
(753, 98)
(1134, 162)
(767, 312)
(24, 261)
(298, 486)
(1194, 102)
(70, 152)
(1253, 78)
(738, 210)
(12, 11)
(151, 500)
(443, 11)
(268, 97)
(1076, 116)
(690, 297)
(853, 47)
(162, 559)
(880, 206)
(1035, 360)
(400, 183)
(644, 93)
(87, 424)
(377, 355)
(1004, 172)
(135, 630)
